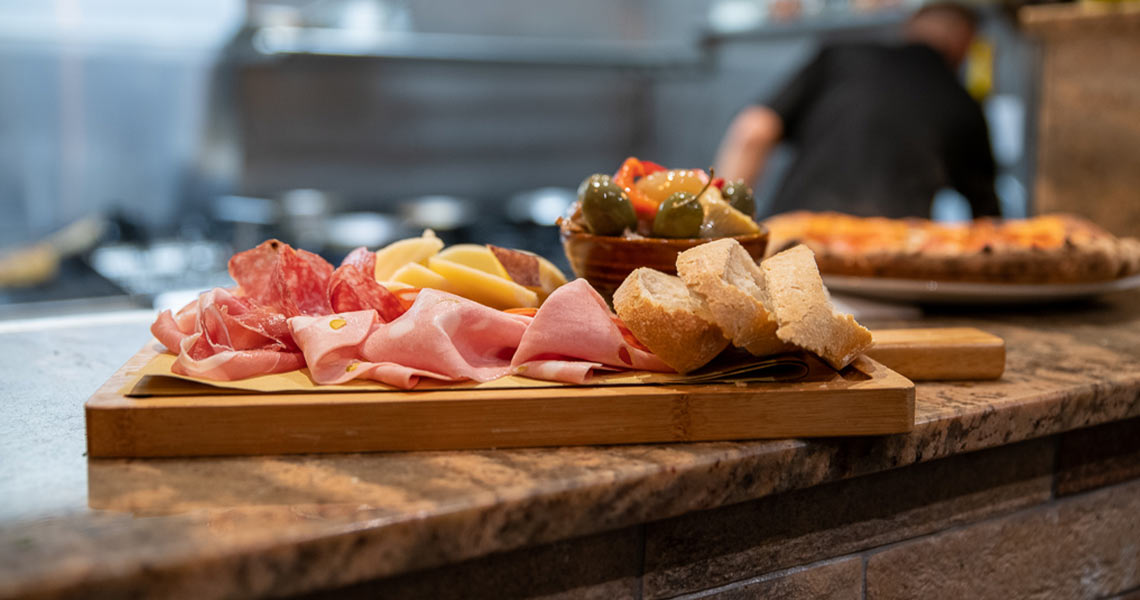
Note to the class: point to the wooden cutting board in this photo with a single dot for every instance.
(940, 353)
(866, 398)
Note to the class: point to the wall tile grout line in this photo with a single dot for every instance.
(1056, 466)
(1026, 510)
(641, 535)
(761, 578)
(863, 562)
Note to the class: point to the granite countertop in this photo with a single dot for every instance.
(234, 527)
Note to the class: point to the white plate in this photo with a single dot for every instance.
(950, 292)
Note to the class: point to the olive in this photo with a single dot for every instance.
(739, 195)
(605, 206)
(679, 216)
(595, 180)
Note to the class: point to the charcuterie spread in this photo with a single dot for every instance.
(415, 309)
(1054, 248)
(290, 309)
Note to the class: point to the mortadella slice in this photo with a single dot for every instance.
(441, 336)
(574, 325)
(332, 350)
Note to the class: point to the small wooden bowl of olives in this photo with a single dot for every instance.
(605, 240)
(605, 261)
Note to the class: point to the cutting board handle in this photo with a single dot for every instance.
(948, 353)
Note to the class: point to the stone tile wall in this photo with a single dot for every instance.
(1057, 517)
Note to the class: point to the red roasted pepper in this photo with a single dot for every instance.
(630, 171)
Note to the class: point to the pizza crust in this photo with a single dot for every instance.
(1049, 249)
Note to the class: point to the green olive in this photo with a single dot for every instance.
(605, 206)
(739, 195)
(679, 216)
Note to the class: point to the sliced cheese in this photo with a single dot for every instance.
(475, 256)
(721, 219)
(481, 287)
(550, 276)
(414, 274)
(392, 257)
(395, 286)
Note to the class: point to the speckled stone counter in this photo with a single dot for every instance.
(292, 525)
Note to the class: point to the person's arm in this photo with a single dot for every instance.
(759, 128)
(749, 140)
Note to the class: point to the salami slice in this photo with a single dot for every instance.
(294, 282)
(350, 289)
(363, 258)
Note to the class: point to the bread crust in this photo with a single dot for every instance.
(727, 279)
(796, 296)
(1074, 251)
(674, 326)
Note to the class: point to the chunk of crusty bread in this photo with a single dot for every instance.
(669, 319)
(726, 277)
(794, 294)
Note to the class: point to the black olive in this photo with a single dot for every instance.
(605, 206)
(679, 216)
(739, 195)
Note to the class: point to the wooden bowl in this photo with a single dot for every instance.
(605, 261)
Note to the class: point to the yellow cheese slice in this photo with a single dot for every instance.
(390, 258)
(549, 276)
(475, 256)
(481, 287)
(395, 286)
(414, 274)
(721, 219)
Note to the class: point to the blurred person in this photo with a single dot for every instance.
(878, 129)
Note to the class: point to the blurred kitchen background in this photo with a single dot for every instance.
(146, 141)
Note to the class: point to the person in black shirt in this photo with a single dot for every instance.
(877, 129)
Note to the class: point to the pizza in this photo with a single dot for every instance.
(1053, 248)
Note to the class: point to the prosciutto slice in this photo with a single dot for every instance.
(574, 333)
(442, 336)
(224, 337)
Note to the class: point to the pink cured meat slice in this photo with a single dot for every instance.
(450, 335)
(294, 282)
(168, 332)
(226, 339)
(198, 357)
(441, 336)
(363, 259)
(227, 319)
(574, 324)
(350, 289)
(568, 371)
(333, 353)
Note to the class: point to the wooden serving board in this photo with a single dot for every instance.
(940, 353)
(866, 398)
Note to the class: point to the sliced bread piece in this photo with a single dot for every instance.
(726, 277)
(669, 319)
(794, 293)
